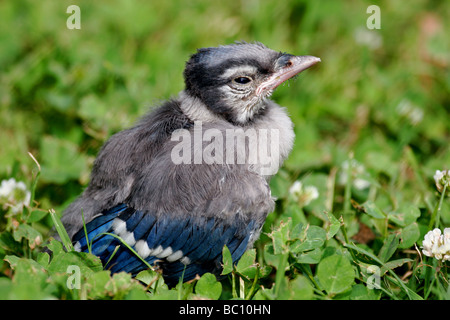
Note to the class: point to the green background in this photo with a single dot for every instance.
(379, 96)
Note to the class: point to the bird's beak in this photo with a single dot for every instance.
(291, 66)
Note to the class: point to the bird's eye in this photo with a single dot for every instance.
(242, 80)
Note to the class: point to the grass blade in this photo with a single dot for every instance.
(128, 247)
(394, 279)
(112, 255)
(61, 230)
(35, 180)
(86, 233)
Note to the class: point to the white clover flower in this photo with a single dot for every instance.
(447, 244)
(368, 38)
(296, 188)
(303, 195)
(357, 170)
(442, 178)
(14, 194)
(437, 245)
(311, 193)
(410, 111)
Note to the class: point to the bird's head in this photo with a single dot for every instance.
(234, 80)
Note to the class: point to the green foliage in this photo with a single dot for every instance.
(335, 274)
(208, 287)
(371, 123)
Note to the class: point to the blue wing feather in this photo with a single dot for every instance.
(98, 226)
(200, 241)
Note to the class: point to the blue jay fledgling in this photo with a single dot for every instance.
(178, 215)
